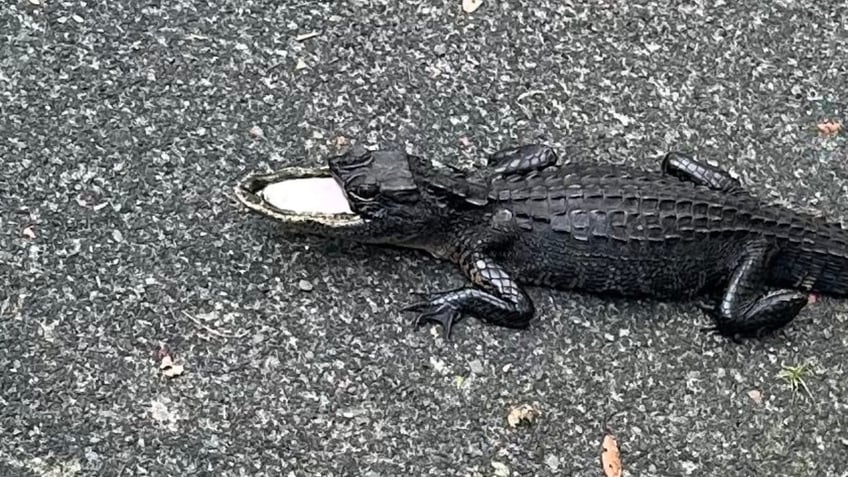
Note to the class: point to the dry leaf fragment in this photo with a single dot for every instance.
(756, 396)
(611, 457)
(469, 6)
(829, 128)
(523, 414)
(28, 233)
(341, 141)
(256, 131)
(169, 368)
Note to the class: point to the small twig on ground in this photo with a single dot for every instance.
(213, 331)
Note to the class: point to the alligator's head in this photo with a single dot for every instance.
(361, 195)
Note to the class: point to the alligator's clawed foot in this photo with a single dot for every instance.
(710, 309)
(736, 336)
(441, 313)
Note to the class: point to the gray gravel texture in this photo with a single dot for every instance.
(125, 124)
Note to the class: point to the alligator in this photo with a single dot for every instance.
(688, 230)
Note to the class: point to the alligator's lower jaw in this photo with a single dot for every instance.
(297, 195)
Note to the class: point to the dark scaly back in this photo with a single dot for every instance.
(620, 204)
(639, 208)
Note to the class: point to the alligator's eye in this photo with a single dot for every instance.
(366, 191)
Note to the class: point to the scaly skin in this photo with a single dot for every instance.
(685, 231)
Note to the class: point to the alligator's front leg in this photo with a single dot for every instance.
(526, 158)
(744, 310)
(499, 300)
(685, 168)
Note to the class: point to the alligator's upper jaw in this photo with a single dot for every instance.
(298, 195)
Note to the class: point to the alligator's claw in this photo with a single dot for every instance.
(708, 307)
(714, 330)
(443, 314)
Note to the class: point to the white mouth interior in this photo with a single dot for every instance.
(311, 195)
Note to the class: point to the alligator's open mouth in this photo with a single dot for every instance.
(296, 194)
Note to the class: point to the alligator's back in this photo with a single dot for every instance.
(636, 232)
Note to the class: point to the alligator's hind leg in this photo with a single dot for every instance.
(526, 158)
(685, 168)
(743, 309)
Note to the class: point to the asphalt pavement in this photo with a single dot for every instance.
(124, 125)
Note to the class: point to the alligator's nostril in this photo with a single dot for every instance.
(255, 185)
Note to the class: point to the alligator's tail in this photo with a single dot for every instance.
(820, 267)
